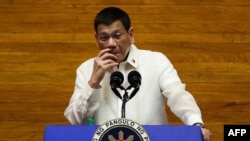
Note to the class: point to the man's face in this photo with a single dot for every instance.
(115, 37)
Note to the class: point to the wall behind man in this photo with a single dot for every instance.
(43, 42)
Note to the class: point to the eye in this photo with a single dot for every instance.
(117, 35)
(103, 37)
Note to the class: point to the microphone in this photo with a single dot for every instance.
(134, 78)
(116, 79)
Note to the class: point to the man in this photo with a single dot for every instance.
(93, 97)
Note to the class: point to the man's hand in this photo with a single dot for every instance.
(206, 134)
(103, 62)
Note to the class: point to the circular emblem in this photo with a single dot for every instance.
(120, 129)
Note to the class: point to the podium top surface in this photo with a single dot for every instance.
(155, 132)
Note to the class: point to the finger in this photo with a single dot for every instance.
(102, 52)
(109, 63)
(206, 134)
(104, 64)
(106, 59)
(109, 56)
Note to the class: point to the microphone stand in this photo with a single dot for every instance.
(124, 101)
(126, 98)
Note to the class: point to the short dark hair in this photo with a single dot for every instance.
(111, 14)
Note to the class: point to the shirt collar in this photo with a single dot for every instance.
(132, 57)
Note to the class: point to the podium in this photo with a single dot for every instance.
(155, 132)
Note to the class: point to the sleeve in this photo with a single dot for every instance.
(180, 101)
(84, 100)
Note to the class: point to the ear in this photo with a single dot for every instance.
(96, 40)
(95, 36)
(131, 35)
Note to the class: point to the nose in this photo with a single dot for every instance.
(111, 43)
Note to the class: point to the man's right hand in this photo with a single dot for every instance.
(103, 62)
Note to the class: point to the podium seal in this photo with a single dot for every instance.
(120, 129)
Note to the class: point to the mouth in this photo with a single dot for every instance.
(115, 53)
